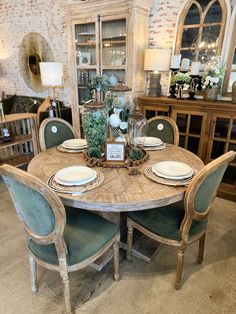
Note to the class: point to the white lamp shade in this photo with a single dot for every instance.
(157, 60)
(51, 73)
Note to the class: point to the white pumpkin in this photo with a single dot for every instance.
(114, 120)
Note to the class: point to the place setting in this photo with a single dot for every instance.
(170, 172)
(151, 143)
(75, 180)
(76, 145)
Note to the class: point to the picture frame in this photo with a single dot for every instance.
(85, 58)
(115, 152)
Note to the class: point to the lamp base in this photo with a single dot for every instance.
(155, 86)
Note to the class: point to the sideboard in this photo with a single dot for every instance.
(208, 129)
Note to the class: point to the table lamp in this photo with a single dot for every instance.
(52, 76)
(156, 60)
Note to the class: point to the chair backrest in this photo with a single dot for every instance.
(38, 207)
(164, 128)
(53, 132)
(202, 191)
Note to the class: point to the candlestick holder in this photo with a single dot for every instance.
(172, 90)
(195, 84)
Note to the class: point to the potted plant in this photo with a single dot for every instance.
(213, 78)
(180, 80)
(100, 85)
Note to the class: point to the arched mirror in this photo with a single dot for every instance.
(230, 58)
(33, 49)
(201, 30)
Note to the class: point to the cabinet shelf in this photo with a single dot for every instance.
(93, 44)
(24, 145)
(17, 160)
(114, 43)
(86, 67)
(17, 140)
(114, 67)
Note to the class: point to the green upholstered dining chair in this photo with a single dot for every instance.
(64, 239)
(164, 128)
(53, 132)
(184, 222)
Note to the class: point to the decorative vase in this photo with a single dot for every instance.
(210, 94)
(113, 80)
(94, 120)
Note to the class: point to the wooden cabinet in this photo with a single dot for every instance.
(24, 144)
(106, 37)
(207, 129)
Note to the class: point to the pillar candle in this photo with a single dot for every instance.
(185, 64)
(175, 62)
(195, 68)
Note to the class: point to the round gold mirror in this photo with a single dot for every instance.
(34, 49)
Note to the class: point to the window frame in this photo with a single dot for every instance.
(229, 53)
(180, 26)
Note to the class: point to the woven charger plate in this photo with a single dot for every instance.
(160, 147)
(76, 189)
(151, 175)
(67, 150)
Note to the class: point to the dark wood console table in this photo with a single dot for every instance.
(208, 129)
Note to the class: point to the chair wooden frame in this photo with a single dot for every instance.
(42, 128)
(190, 215)
(56, 236)
(172, 123)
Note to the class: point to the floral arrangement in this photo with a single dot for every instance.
(180, 77)
(214, 74)
(99, 83)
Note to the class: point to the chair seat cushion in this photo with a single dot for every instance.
(165, 221)
(84, 234)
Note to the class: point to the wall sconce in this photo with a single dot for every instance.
(52, 76)
(156, 60)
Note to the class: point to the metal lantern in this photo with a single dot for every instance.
(94, 120)
(137, 128)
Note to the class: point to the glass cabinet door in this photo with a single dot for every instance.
(87, 60)
(191, 126)
(113, 50)
(223, 139)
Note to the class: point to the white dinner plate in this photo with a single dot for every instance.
(173, 169)
(75, 175)
(75, 143)
(149, 141)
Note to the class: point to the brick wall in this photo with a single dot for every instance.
(17, 18)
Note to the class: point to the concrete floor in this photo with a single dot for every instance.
(143, 288)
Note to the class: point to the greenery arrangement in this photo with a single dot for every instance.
(136, 154)
(94, 152)
(92, 122)
(99, 83)
(214, 74)
(179, 77)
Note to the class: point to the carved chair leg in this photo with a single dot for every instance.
(179, 267)
(33, 273)
(116, 249)
(201, 248)
(66, 287)
(129, 240)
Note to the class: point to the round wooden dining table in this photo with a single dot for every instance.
(119, 192)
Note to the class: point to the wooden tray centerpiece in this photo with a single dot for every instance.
(131, 157)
